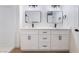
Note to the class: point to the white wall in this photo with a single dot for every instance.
(72, 16)
(8, 26)
(43, 10)
(17, 27)
(69, 10)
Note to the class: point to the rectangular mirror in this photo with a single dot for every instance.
(54, 17)
(32, 17)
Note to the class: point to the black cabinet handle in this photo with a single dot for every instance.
(44, 32)
(29, 37)
(44, 45)
(60, 37)
(44, 38)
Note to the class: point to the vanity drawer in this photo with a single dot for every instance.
(44, 32)
(44, 37)
(60, 31)
(44, 45)
(25, 32)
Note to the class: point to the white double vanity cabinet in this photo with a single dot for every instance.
(46, 28)
(45, 40)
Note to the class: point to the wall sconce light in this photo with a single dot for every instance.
(55, 6)
(33, 6)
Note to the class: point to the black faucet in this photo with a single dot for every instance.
(55, 25)
(32, 25)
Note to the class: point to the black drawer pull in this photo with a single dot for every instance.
(44, 45)
(60, 37)
(44, 32)
(44, 38)
(29, 37)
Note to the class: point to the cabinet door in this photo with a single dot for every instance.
(60, 42)
(29, 42)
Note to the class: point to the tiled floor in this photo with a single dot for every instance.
(17, 50)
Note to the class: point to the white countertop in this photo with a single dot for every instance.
(43, 28)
